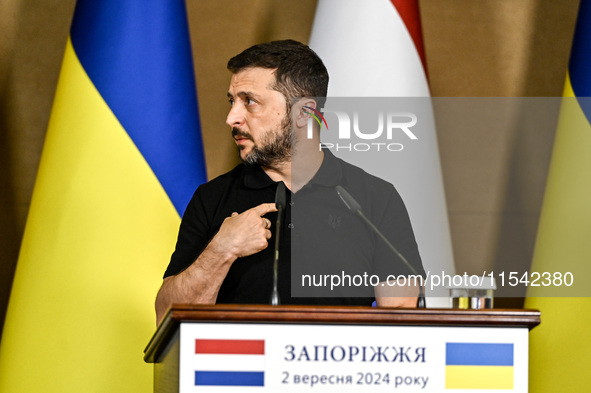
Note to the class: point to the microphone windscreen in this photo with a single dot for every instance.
(349, 201)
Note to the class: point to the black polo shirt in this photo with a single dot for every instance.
(321, 238)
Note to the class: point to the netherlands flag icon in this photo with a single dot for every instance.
(229, 362)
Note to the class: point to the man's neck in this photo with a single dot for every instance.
(280, 172)
(296, 177)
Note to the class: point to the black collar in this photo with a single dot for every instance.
(256, 178)
(329, 174)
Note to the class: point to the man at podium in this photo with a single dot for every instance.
(229, 249)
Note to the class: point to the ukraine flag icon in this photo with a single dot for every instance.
(479, 366)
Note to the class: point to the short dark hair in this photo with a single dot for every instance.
(299, 72)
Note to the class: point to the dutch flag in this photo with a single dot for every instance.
(229, 362)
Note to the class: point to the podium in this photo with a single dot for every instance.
(248, 348)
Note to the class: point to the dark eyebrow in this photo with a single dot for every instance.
(242, 94)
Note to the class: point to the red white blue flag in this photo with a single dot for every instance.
(229, 362)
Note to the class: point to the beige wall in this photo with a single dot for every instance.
(494, 179)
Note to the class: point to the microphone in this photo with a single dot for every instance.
(280, 202)
(355, 207)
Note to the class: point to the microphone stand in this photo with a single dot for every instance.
(355, 207)
(280, 202)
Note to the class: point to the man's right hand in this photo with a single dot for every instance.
(240, 235)
(245, 234)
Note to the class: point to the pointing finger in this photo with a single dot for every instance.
(264, 208)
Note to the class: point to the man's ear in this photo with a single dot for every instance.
(303, 110)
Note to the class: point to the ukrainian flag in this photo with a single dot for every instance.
(479, 366)
(559, 348)
(121, 159)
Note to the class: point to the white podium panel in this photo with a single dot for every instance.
(340, 358)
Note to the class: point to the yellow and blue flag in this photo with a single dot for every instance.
(559, 347)
(122, 157)
(479, 365)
